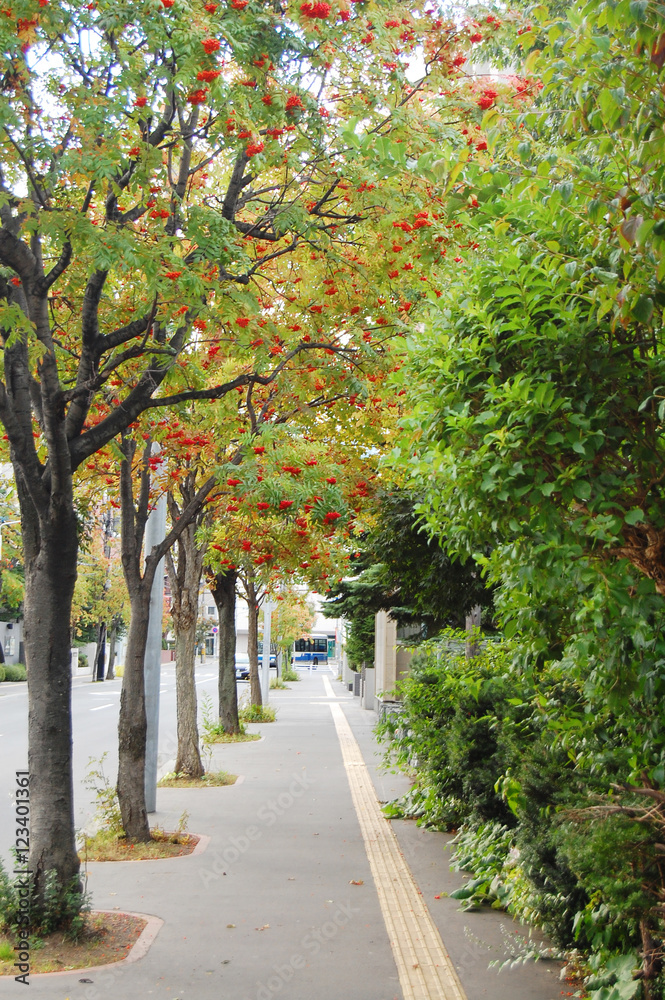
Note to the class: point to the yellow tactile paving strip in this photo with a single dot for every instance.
(424, 966)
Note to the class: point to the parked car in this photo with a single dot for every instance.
(242, 666)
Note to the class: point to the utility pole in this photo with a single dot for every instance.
(155, 533)
(268, 608)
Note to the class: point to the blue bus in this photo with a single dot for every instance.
(313, 651)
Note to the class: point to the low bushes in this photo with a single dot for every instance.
(12, 672)
(550, 830)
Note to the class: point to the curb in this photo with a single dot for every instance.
(138, 951)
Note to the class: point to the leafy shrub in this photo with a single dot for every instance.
(15, 672)
(60, 908)
(484, 851)
(257, 713)
(2, 672)
(289, 673)
(517, 760)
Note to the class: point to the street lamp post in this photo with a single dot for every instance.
(268, 608)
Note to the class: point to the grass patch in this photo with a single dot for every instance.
(290, 674)
(277, 683)
(212, 779)
(216, 734)
(105, 938)
(107, 846)
(257, 713)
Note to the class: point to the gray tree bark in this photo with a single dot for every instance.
(50, 554)
(132, 723)
(251, 596)
(185, 578)
(113, 638)
(223, 589)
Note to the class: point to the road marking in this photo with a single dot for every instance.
(97, 708)
(423, 964)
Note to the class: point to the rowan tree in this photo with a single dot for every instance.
(158, 158)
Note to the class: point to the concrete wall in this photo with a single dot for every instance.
(391, 661)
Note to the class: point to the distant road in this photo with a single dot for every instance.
(95, 723)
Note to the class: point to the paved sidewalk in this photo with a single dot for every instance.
(270, 909)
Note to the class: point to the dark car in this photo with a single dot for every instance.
(242, 666)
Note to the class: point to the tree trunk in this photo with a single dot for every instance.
(51, 548)
(113, 634)
(223, 590)
(188, 759)
(185, 579)
(472, 626)
(132, 724)
(253, 644)
(100, 653)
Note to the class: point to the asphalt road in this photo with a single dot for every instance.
(95, 727)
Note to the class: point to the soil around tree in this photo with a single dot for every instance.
(212, 779)
(232, 737)
(105, 846)
(106, 938)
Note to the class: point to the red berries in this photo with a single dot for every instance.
(207, 75)
(315, 10)
(487, 99)
(197, 96)
(253, 149)
(210, 45)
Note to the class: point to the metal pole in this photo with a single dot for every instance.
(268, 608)
(152, 664)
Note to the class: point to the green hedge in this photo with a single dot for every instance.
(513, 760)
(13, 672)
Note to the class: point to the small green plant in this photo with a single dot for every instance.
(6, 951)
(257, 713)
(108, 813)
(60, 908)
(211, 727)
(181, 828)
(277, 683)
(290, 674)
(484, 852)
